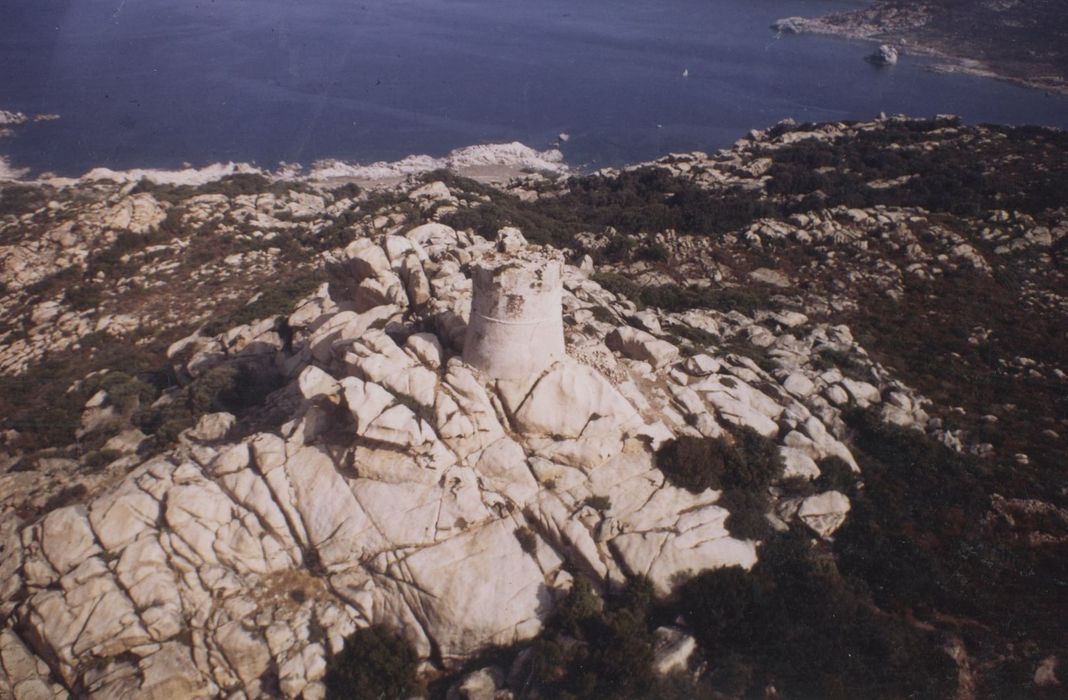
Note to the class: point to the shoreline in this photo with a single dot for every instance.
(489, 163)
(860, 26)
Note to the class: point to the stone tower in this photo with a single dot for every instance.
(515, 328)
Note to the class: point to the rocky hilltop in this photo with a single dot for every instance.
(808, 415)
(1018, 40)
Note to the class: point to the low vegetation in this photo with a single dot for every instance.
(794, 623)
(923, 539)
(797, 624)
(376, 664)
(1020, 170)
(676, 297)
(274, 301)
(234, 387)
(742, 465)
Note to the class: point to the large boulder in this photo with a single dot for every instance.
(639, 345)
(824, 513)
(572, 400)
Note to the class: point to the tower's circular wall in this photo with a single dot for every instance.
(515, 328)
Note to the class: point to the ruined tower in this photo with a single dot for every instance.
(515, 328)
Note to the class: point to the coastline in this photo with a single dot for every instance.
(876, 24)
(488, 163)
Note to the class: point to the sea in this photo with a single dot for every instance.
(166, 83)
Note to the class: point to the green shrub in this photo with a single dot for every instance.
(16, 200)
(749, 461)
(126, 393)
(581, 605)
(675, 298)
(618, 284)
(597, 649)
(65, 497)
(717, 605)
(618, 249)
(794, 621)
(234, 388)
(603, 315)
(951, 177)
(601, 503)
(84, 296)
(697, 336)
(835, 475)
(653, 252)
(695, 463)
(376, 664)
(743, 468)
(748, 510)
(757, 462)
(528, 541)
(276, 300)
(99, 459)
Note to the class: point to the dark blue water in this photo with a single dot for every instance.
(156, 83)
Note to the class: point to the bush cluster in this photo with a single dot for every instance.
(794, 622)
(234, 388)
(376, 664)
(646, 200)
(594, 648)
(743, 466)
(676, 297)
(17, 200)
(920, 537)
(231, 186)
(953, 177)
(276, 300)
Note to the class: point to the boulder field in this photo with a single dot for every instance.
(405, 488)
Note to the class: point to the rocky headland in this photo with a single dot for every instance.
(1022, 41)
(805, 433)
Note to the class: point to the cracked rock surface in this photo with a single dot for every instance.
(393, 493)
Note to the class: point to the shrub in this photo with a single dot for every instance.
(794, 621)
(594, 649)
(653, 252)
(528, 541)
(126, 393)
(110, 260)
(618, 249)
(748, 510)
(376, 663)
(276, 300)
(16, 200)
(65, 497)
(676, 298)
(749, 462)
(581, 605)
(835, 475)
(100, 459)
(234, 388)
(694, 463)
(618, 284)
(757, 462)
(744, 468)
(694, 335)
(83, 297)
(717, 605)
(601, 503)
